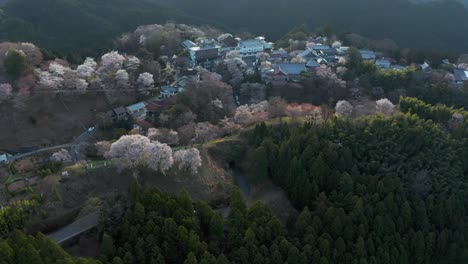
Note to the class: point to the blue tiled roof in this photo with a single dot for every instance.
(312, 63)
(188, 44)
(136, 107)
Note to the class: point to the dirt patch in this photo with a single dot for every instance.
(212, 183)
(48, 120)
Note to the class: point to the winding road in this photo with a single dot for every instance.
(85, 136)
(24, 155)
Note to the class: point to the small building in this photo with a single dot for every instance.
(425, 67)
(368, 55)
(250, 47)
(329, 52)
(319, 47)
(286, 72)
(204, 54)
(312, 64)
(154, 109)
(137, 110)
(461, 76)
(228, 43)
(383, 64)
(188, 44)
(4, 158)
(397, 67)
(279, 56)
(119, 114)
(167, 91)
(307, 54)
(180, 62)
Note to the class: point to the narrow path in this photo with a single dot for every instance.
(24, 155)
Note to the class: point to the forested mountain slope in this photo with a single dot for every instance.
(435, 26)
(70, 25)
(394, 186)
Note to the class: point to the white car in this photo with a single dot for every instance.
(91, 129)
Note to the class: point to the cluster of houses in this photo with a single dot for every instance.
(277, 65)
(274, 66)
(139, 111)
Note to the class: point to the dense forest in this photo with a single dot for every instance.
(86, 26)
(376, 189)
(425, 26)
(394, 186)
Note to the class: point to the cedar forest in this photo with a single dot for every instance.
(379, 189)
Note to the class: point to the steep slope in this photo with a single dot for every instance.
(432, 26)
(71, 24)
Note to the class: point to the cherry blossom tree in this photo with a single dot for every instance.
(132, 64)
(87, 69)
(145, 83)
(277, 107)
(188, 159)
(111, 62)
(61, 156)
(385, 106)
(205, 131)
(300, 60)
(159, 156)
(336, 44)
(456, 121)
(228, 126)
(48, 80)
(102, 147)
(236, 67)
(132, 151)
(122, 79)
(6, 91)
(344, 108)
(249, 114)
(164, 135)
(81, 85)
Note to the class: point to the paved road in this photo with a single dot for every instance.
(24, 155)
(73, 147)
(76, 228)
(85, 136)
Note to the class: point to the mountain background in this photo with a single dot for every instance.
(88, 26)
(434, 25)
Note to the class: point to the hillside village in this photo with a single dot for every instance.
(333, 147)
(275, 67)
(203, 88)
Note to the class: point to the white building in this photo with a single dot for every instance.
(253, 46)
(4, 158)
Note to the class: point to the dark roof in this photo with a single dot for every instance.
(120, 110)
(460, 75)
(230, 42)
(290, 68)
(207, 53)
(188, 72)
(181, 60)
